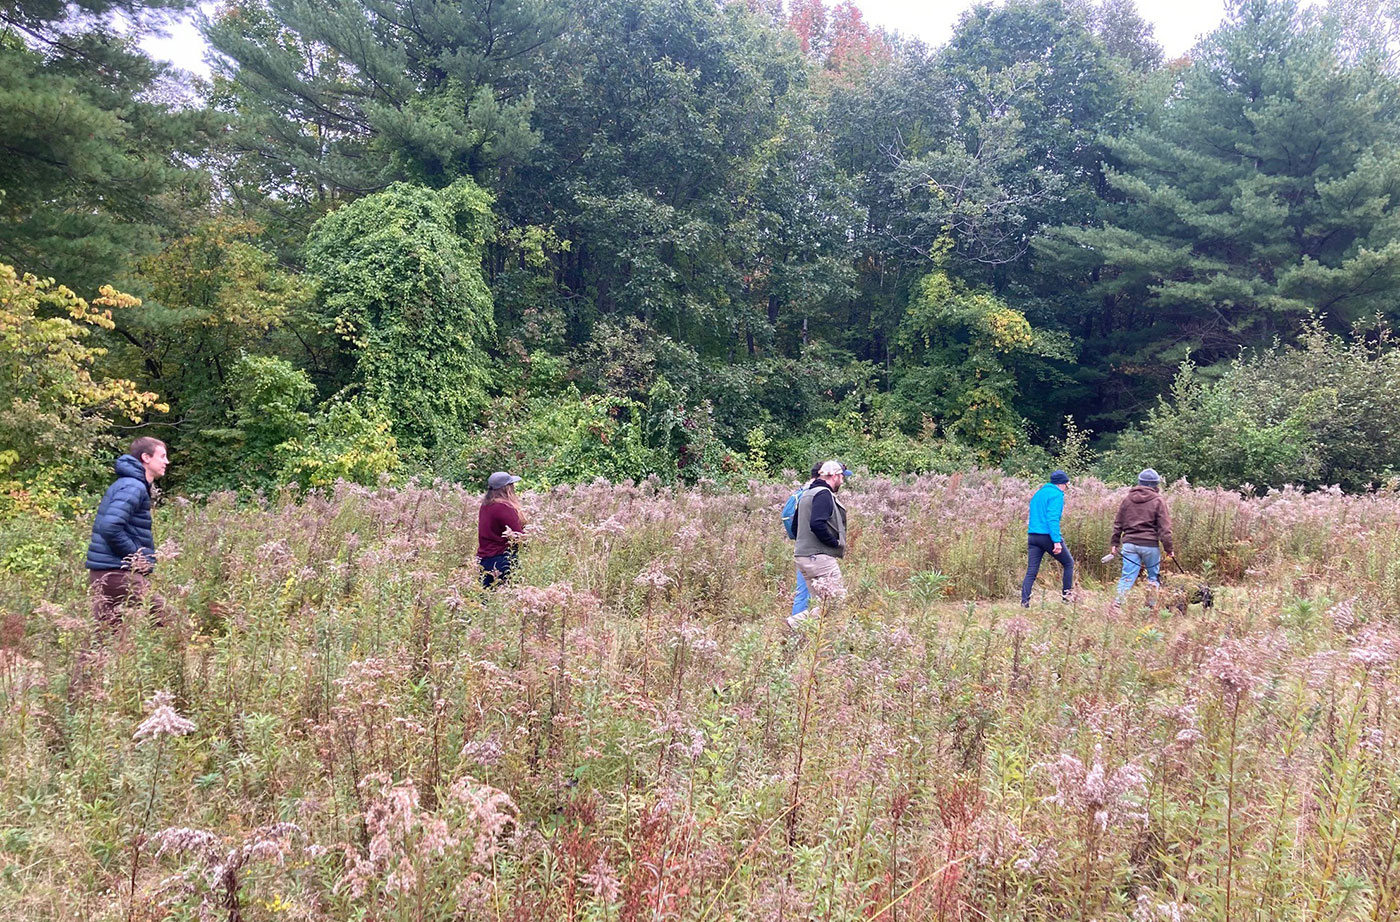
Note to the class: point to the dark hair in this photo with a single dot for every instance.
(146, 445)
(817, 470)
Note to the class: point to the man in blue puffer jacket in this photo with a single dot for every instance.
(122, 552)
(1043, 535)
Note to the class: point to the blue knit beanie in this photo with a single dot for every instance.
(1149, 478)
(1059, 477)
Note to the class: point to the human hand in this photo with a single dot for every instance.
(1057, 548)
(141, 563)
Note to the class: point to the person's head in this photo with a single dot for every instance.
(152, 454)
(1061, 480)
(834, 473)
(500, 488)
(1149, 478)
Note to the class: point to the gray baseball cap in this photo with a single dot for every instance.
(833, 467)
(500, 479)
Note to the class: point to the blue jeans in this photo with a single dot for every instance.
(800, 601)
(1137, 558)
(496, 570)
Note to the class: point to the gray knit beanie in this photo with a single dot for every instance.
(1149, 478)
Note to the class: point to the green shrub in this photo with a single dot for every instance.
(268, 395)
(347, 440)
(874, 442)
(565, 438)
(1317, 414)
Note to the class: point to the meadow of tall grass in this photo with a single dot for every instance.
(340, 724)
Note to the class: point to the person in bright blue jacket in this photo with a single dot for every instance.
(1043, 535)
(122, 551)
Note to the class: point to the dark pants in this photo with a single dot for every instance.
(1037, 546)
(496, 569)
(114, 590)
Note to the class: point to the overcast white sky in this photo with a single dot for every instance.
(1177, 24)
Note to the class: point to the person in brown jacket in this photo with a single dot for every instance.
(1143, 526)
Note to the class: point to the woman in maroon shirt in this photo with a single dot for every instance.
(500, 514)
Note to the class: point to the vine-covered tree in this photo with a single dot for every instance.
(959, 353)
(400, 283)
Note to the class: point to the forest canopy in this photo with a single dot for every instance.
(696, 239)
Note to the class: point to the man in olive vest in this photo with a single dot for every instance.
(821, 531)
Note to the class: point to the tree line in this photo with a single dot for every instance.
(696, 239)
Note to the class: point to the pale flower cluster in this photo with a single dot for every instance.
(407, 841)
(1149, 909)
(829, 588)
(163, 720)
(1090, 789)
(1238, 666)
(539, 600)
(1343, 614)
(654, 577)
(695, 639)
(219, 865)
(601, 878)
(1375, 648)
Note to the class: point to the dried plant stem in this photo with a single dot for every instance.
(803, 720)
(1090, 859)
(1338, 813)
(1273, 877)
(1230, 804)
(1384, 905)
(915, 886)
(139, 839)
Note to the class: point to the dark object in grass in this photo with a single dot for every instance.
(1200, 593)
(1179, 594)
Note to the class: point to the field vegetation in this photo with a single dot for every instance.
(339, 724)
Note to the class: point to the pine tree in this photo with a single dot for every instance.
(343, 97)
(1265, 190)
(95, 164)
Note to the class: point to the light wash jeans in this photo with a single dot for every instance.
(1137, 558)
(800, 601)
